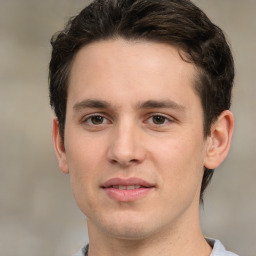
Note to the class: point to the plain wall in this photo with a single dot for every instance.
(38, 215)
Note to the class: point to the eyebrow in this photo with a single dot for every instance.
(90, 103)
(161, 104)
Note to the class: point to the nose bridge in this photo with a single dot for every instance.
(126, 146)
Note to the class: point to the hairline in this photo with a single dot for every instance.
(197, 76)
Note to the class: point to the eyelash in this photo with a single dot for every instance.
(167, 119)
(88, 119)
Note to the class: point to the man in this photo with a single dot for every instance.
(141, 91)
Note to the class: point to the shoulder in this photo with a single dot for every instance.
(83, 251)
(219, 249)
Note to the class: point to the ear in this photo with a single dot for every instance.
(59, 147)
(219, 140)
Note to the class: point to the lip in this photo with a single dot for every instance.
(126, 182)
(127, 195)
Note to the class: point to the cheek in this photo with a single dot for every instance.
(83, 151)
(180, 162)
(176, 151)
(83, 157)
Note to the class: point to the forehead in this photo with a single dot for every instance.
(118, 66)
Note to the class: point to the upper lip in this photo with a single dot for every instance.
(126, 182)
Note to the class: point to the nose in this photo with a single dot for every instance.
(126, 146)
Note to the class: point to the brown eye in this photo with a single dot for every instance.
(96, 120)
(159, 120)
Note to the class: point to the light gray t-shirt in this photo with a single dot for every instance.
(217, 249)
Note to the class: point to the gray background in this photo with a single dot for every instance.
(38, 215)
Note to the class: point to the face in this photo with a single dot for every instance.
(134, 144)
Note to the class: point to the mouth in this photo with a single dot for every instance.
(127, 187)
(126, 190)
(124, 184)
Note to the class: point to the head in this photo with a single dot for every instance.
(178, 23)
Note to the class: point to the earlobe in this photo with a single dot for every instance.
(59, 147)
(219, 140)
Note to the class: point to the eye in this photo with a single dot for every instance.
(96, 120)
(158, 119)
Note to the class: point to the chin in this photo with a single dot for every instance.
(129, 227)
(129, 232)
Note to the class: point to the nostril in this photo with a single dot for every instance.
(123, 162)
(113, 161)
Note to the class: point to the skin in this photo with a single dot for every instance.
(162, 143)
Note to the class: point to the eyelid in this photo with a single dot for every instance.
(161, 114)
(88, 116)
(168, 118)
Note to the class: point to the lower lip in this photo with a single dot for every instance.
(127, 195)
